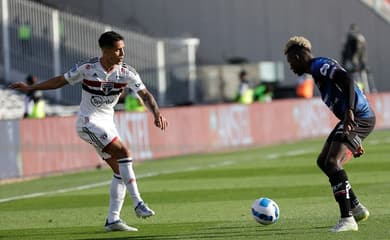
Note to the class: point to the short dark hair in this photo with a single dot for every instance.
(108, 39)
(31, 79)
(243, 73)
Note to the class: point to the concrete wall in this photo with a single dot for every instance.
(254, 29)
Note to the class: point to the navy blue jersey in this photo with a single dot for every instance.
(322, 70)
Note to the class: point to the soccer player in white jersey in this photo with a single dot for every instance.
(103, 79)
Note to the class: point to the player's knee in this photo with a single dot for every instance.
(123, 154)
(119, 153)
(328, 165)
(321, 163)
(332, 166)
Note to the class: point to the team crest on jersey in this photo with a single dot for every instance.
(106, 87)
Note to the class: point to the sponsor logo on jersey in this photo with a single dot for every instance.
(98, 101)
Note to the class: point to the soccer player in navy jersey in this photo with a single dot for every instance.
(357, 120)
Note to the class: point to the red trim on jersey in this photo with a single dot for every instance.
(93, 83)
(113, 140)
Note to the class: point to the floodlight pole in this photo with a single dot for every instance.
(6, 45)
(161, 73)
(56, 49)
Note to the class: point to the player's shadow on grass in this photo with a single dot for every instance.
(179, 231)
(250, 232)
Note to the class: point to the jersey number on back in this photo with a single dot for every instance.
(324, 69)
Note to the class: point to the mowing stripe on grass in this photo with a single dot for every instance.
(192, 168)
(152, 174)
(99, 184)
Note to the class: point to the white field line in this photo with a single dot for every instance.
(152, 174)
(376, 142)
(304, 151)
(99, 184)
(289, 153)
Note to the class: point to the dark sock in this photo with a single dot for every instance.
(341, 188)
(353, 199)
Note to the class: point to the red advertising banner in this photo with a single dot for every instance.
(52, 145)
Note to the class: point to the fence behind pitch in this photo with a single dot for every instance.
(46, 42)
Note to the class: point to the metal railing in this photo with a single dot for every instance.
(46, 42)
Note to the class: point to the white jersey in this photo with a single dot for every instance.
(101, 89)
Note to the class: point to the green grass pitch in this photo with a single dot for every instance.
(207, 196)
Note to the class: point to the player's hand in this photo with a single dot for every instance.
(349, 121)
(359, 151)
(20, 86)
(161, 122)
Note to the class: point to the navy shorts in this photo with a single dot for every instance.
(355, 137)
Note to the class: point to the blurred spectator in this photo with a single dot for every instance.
(133, 103)
(33, 101)
(24, 36)
(305, 86)
(263, 92)
(354, 57)
(245, 93)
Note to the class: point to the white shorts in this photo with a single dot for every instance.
(100, 135)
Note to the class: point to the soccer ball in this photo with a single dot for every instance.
(265, 211)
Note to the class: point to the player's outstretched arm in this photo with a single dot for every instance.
(53, 83)
(151, 104)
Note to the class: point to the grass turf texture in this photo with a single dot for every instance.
(209, 196)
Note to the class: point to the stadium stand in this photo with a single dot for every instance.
(11, 104)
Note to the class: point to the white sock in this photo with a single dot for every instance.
(128, 177)
(117, 197)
